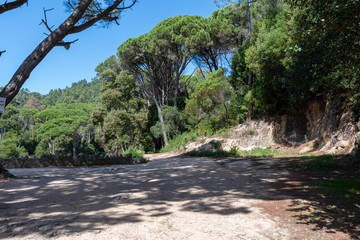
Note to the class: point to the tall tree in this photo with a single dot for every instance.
(147, 62)
(174, 34)
(121, 116)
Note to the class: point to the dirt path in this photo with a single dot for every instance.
(175, 197)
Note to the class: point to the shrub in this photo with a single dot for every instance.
(179, 141)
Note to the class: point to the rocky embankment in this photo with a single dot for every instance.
(321, 127)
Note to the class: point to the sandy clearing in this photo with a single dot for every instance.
(174, 197)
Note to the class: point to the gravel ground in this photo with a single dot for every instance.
(171, 197)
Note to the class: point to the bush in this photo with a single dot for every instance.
(9, 149)
(208, 127)
(179, 141)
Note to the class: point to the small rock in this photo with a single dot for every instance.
(122, 196)
(97, 231)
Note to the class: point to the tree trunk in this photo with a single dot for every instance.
(29, 64)
(176, 90)
(49, 144)
(250, 81)
(22, 134)
(74, 144)
(158, 107)
(1, 133)
(11, 5)
(177, 79)
(162, 123)
(250, 106)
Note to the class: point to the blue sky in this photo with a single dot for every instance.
(21, 33)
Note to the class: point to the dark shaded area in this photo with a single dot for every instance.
(4, 174)
(333, 211)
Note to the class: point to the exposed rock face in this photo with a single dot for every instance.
(320, 126)
(257, 134)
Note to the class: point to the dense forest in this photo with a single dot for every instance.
(191, 76)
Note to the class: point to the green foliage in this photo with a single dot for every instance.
(79, 92)
(121, 115)
(234, 152)
(321, 163)
(174, 123)
(61, 126)
(301, 52)
(348, 187)
(179, 141)
(249, 132)
(210, 104)
(207, 127)
(268, 59)
(8, 148)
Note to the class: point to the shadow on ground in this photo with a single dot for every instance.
(314, 206)
(69, 201)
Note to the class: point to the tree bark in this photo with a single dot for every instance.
(74, 144)
(250, 81)
(158, 107)
(177, 79)
(22, 134)
(11, 5)
(29, 64)
(56, 39)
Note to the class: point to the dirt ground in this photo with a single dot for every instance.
(171, 197)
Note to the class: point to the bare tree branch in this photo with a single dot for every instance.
(105, 15)
(11, 5)
(1, 52)
(45, 22)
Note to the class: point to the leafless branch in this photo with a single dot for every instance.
(45, 21)
(1, 52)
(106, 15)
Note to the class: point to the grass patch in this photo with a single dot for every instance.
(321, 163)
(349, 187)
(256, 152)
(249, 132)
(179, 141)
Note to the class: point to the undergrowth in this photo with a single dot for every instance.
(179, 141)
(347, 187)
(321, 163)
(255, 153)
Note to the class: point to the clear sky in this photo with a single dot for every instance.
(20, 33)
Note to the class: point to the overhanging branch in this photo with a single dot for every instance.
(107, 15)
(11, 5)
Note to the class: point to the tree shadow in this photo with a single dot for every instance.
(315, 206)
(54, 202)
